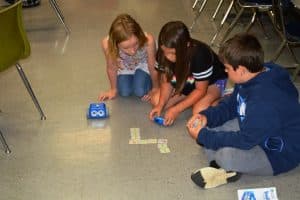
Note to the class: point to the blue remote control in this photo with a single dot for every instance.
(159, 120)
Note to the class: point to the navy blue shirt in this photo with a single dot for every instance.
(268, 112)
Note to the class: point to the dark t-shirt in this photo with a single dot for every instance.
(204, 66)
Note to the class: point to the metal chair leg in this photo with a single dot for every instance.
(253, 18)
(292, 53)
(6, 147)
(234, 22)
(259, 20)
(296, 71)
(194, 4)
(59, 14)
(30, 91)
(222, 22)
(217, 9)
(279, 50)
(198, 13)
(57, 8)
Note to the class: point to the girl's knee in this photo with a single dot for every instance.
(124, 92)
(141, 83)
(139, 92)
(124, 85)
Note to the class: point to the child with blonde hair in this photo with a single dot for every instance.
(130, 59)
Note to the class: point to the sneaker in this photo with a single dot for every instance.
(210, 177)
(30, 3)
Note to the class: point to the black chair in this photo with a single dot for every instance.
(287, 24)
(198, 12)
(225, 16)
(256, 7)
(202, 6)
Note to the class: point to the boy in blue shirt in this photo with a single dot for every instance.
(265, 103)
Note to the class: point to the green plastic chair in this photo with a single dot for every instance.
(14, 46)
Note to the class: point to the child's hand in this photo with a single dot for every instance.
(170, 116)
(147, 97)
(156, 111)
(108, 95)
(195, 124)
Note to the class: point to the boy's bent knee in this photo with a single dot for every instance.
(225, 158)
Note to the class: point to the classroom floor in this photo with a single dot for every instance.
(67, 157)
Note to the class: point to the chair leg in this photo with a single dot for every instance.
(198, 13)
(217, 9)
(262, 27)
(253, 18)
(6, 147)
(296, 71)
(279, 50)
(30, 91)
(292, 53)
(57, 8)
(194, 4)
(222, 22)
(232, 25)
(59, 14)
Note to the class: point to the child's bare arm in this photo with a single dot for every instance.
(111, 70)
(151, 51)
(165, 93)
(193, 97)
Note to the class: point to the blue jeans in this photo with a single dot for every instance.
(138, 84)
(221, 84)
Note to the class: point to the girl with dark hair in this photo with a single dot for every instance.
(192, 75)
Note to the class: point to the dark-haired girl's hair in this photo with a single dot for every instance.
(175, 35)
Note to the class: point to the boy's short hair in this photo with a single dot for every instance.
(243, 49)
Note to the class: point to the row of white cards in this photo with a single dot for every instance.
(135, 138)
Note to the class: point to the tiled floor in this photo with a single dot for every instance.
(67, 158)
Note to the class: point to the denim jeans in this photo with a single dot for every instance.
(137, 84)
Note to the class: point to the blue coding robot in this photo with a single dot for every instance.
(97, 111)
